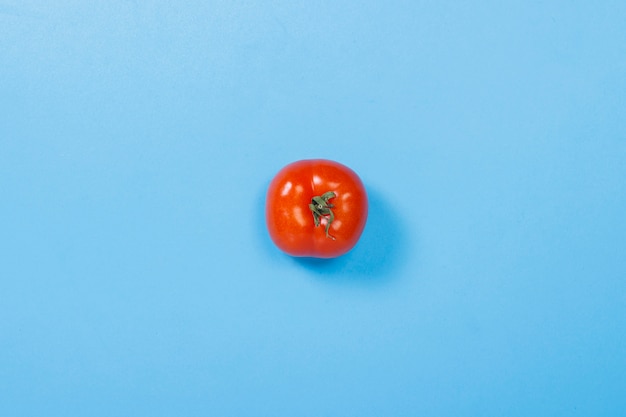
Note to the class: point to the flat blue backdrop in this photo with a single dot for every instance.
(136, 142)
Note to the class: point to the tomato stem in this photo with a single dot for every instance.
(320, 207)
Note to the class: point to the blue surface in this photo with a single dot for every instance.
(136, 142)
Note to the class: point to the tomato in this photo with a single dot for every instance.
(316, 208)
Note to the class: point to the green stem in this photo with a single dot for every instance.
(320, 207)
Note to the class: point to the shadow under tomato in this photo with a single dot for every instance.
(376, 258)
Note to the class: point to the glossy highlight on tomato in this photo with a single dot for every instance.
(316, 208)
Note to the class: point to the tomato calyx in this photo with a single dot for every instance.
(321, 207)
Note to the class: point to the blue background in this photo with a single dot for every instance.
(137, 139)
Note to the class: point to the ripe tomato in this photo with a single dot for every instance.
(316, 208)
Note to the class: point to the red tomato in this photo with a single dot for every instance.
(316, 208)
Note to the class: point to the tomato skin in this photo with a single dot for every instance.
(290, 221)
